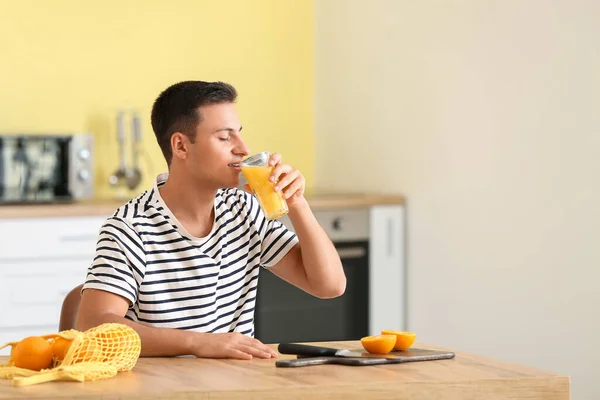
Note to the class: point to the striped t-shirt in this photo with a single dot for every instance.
(175, 280)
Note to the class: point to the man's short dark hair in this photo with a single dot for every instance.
(176, 109)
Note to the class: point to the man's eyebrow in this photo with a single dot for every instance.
(228, 130)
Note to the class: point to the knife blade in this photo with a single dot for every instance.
(318, 351)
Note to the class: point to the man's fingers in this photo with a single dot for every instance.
(279, 170)
(260, 345)
(292, 189)
(275, 159)
(255, 352)
(240, 355)
(287, 179)
(269, 350)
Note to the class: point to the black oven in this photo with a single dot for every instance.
(285, 313)
(46, 168)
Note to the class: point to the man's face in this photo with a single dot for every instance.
(214, 158)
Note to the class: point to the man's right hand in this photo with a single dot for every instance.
(230, 345)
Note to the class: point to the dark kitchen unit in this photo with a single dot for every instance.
(285, 313)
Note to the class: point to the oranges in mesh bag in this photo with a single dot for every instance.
(114, 344)
(97, 353)
(33, 353)
(60, 347)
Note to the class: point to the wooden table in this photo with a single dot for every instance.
(465, 377)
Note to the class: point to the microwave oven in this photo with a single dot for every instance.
(46, 168)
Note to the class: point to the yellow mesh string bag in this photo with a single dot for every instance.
(97, 353)
(85, 371)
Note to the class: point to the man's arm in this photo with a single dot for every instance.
(112, 284)
(313, 264)
(98, 307)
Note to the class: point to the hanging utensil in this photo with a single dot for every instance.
(120, 174)
(134, 174)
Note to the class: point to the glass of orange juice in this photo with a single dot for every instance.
(256, 170)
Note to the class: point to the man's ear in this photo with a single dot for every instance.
(180, 145)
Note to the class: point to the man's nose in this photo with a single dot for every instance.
(242, 149)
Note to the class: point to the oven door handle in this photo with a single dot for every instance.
(351, 252)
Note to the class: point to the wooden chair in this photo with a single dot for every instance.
(70, 307)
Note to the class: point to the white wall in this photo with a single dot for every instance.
(486, 115)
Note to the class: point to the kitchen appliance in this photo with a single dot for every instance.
(46, 168)
(285, 313)
(317, 355)
(125, 176)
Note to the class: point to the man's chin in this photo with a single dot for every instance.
(233, 184)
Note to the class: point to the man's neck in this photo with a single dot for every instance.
(192, 205)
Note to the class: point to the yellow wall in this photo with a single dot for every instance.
(69, 65)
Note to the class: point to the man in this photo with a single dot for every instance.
(180, 262)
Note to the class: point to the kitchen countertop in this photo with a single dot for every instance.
(465, 377)
(107, 207)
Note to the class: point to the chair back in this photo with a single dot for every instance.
(70, 307)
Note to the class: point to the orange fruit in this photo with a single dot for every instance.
(33, 353)
(381, 344)
(60, 348)
(403, 339)
(87, 350)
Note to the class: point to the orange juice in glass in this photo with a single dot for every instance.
(256, 170)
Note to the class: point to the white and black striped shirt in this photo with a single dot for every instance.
(174, 280)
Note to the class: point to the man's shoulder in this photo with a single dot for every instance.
(234, 198)
(235, 208)
(136, 210)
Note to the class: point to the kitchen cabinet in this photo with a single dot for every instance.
(387, 270)
(41, 260)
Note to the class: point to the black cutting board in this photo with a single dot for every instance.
(410, 355)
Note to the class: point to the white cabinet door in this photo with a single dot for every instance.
(16, 334)
(41, 260)
(31, 292)
(48, 237)
(387, 286)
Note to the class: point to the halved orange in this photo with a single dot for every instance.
(381, 344)
(403, 339)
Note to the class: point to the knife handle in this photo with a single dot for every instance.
(305, 350)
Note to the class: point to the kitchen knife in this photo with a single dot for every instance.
(318, 351)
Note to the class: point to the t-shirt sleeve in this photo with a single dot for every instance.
(275, 238)
(120, 263)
